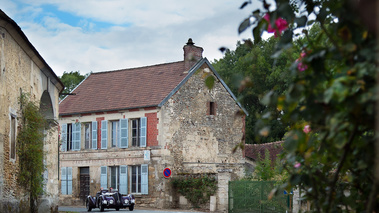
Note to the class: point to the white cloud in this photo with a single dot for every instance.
(157, 32)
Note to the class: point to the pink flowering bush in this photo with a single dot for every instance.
(300, 65)
(280, 25)
(337, 95)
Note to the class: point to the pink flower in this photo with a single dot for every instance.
(301, 66)
(280, 25)
(307, 129)
(297, 165)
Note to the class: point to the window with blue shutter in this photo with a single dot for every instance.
(104, 134)
(103, 177)
(123, 180)
(64, 180)
(64, 137)
(94, 135)
(143, 131)
(145, 179)
(124, 136)
(69, 180)
(76, 135)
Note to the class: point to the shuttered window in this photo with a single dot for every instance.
(140, 179)
(64, 137)
(66, 180)
(145, 179)
(103, 177)
(76, 130)
(124, 136)
(94, 135)
(143, 132)
(123, 180)
(104, 134)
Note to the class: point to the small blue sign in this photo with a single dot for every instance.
(167, 172)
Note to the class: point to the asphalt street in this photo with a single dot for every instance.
(72, 209)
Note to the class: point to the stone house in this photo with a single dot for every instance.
(122, 128)
(23, 70)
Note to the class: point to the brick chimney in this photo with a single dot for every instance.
(192, 54)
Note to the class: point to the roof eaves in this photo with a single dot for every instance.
(107, 110)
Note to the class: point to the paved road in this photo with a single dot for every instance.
(137, 210)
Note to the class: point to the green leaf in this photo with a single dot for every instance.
(301, 21)
(244, 25)
(310, 22)
(244, 4)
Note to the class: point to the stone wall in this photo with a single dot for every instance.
(19, 73)
(197, 142)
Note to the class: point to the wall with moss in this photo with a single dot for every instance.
(20, 73)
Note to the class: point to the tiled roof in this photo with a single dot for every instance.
(124, 89)
(254, 150)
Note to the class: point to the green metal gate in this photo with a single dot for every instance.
(252, 196)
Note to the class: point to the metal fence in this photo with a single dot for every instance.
(252, 196)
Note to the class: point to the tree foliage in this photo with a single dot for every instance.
(332, 89)
(71, 80)
(250, 71)
(30, 141)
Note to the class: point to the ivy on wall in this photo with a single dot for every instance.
(196, 189)
(30, 140)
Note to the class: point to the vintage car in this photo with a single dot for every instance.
(106, 199)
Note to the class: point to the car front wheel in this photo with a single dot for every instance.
(131, 208)
(101, 205)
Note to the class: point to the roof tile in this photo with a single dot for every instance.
(124, 89)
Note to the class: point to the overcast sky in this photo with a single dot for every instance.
(102, 35)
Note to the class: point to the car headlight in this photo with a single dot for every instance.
(126, 201)
(111, 201)
(104, 201)
(133, 201)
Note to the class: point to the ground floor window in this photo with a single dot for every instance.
(136, 179)
(66, 180)
(116, 177)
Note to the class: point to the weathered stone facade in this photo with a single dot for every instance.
(24, 70)
(197, 142)
(192, 131)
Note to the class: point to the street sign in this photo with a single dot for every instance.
(167, 172)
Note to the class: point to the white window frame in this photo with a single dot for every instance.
(141, 188)
(66, 180)
(115, 134)
(87, 132)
